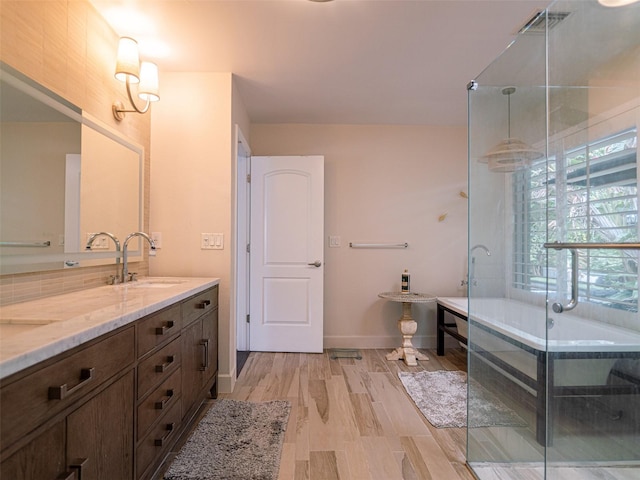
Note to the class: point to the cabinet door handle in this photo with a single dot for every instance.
(162, 368)
(205, 354)
(77, 465)
(163, 403)
(62, 391)
(159, 442)
(203, 304)
(165, 328)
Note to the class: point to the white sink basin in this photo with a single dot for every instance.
(25, 321)
(154, 283)
(10, 327)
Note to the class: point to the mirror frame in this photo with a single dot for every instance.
(29, 263)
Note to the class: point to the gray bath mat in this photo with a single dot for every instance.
(441, 396)
(234, 441)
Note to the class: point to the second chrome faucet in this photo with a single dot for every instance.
(125, 266)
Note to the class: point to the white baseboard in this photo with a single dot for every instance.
(366, 342)
(226, 382)
(419, 341)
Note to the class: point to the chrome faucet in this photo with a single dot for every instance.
(472, 272)
(125, 267)
(93, 236)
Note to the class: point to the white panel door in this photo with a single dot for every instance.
(287, 232)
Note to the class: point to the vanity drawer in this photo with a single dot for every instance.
(158, 440)
(158, 327)
(195, 306)
(159, 402)
(158, 366)
(31, 400)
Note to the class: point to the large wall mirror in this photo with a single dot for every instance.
(63, 177)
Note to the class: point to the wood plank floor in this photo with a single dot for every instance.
(351, 419)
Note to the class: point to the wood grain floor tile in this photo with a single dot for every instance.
(357, 460)
(323, 466)
(354, 378)
(381, 459)
(412, 455)
(352, 420)
(287, 462)
(405, 419)
(366, 419)
(302, 470)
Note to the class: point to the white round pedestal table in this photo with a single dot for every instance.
(407, 325)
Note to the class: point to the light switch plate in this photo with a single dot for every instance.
(334, 241)
(212, 241)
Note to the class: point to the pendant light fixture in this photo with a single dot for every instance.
(510, 153)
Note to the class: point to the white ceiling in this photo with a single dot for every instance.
(339, 62)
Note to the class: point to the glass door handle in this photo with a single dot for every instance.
(593, 246)
(573, 303)
(572, 247)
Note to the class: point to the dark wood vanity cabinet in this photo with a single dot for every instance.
(200, 344)
(100, 434)
(113, 407)
(29, 462)
(57, 419)
(177, 366)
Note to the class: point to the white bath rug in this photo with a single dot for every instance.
(441, 396)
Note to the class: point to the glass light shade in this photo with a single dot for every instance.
(128, 61)
(148, 88)
(616, 3)
(510, 154)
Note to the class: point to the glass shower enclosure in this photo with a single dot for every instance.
(554, 331)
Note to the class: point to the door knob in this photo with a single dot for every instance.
(317, 263)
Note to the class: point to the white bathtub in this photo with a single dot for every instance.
(526, 324)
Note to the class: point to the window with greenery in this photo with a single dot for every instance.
(581, 194)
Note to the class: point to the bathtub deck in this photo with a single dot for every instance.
(538, 375)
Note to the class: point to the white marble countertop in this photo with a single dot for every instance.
(34, 331)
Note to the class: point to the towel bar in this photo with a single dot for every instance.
(378, 245)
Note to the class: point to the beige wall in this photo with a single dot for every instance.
(383, 184)
(192, 174)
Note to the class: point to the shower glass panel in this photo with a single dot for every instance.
(554, 331)
(506, 111)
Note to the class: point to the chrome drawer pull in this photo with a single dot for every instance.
(159, 442)
(162, 330)
(162, 368)
(163, 403)
(59, 393)
(203, 304)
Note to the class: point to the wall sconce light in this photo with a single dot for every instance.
(130, 70)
